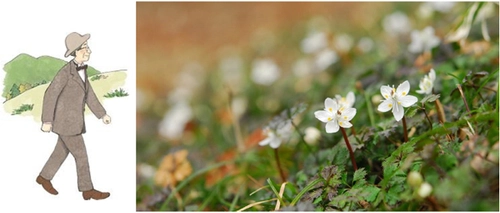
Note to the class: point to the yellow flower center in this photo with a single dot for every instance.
(390, 105)
(330, 109)
(329, 119)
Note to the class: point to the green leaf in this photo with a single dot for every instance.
(270, 182)
(370, 193)
(429, 98)
(359, 174)
(411, 112)
(304, 190)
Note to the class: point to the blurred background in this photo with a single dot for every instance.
(210, 76)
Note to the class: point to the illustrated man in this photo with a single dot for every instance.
(63, 113)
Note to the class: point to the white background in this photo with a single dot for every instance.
(39, 28)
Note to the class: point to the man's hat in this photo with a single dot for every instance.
(74, 41)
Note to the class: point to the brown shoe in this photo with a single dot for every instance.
(94, 194)
(46, 185)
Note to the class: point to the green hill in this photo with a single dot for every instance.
(25, 72)
(109, 82)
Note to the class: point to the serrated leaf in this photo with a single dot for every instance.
(331, 194)
(371, 193)
(359, 174)
(411, 112)
(328, 171)
(314, 194)
(430, 98)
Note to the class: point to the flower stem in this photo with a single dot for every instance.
(463, 98)
(351, 154)
(282, 174)
(405, 129)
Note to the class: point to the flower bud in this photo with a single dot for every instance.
(312, 135)
(415, 179)
(425, 190)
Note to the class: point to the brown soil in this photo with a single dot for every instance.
(171, 34)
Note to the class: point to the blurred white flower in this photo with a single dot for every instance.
(145, 170)
(188, 81)
(425, 190)
(333, 117)
(302, 67)
(343, 42)
(345, 102)
(314, 42)
(365, 44)
(279, 128)
(175, 120)
(427, 83)
(276, 136)
(422, 41)
(396, 23)
(425, 10)
(396, 99)
(441, 6)
(325, 58)
(239, 106)
(265, 71)
(312, 135)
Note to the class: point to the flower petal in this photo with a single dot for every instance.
(385, 106)
(348, 114)
(323, 115)
(331, 105)
(345, 124)
(275, 143)
(350, 98)
(332, 127)
(386, 91)
(432, 75)
(408, 100)
(265, 141)
(398, 112)
(403, 88)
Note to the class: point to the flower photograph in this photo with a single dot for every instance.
(317, 106)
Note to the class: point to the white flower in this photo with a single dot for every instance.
(265, 71)
(312, 135)
(442, 6)
(343, 42)
(345, 102)
(365, 44)
(276, 136)
(425, 190)
(325, 58)
(173, 123)
(396, 99)
(424, 40)
(427, 83)
(333, 117)
(396, 23)
(314, 42)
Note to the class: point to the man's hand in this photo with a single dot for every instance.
(46, 127)
(106, 119)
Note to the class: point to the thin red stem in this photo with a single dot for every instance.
(405, 129)
(351, 154)
(282, 174)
